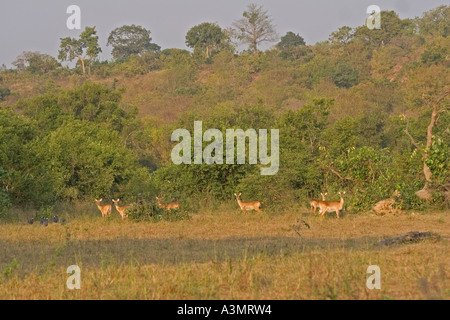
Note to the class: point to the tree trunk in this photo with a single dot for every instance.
(425, 193)
(82, 65)
(255, 43)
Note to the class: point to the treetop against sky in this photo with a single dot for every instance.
(38, 25)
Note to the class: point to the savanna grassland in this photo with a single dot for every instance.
(225, 255)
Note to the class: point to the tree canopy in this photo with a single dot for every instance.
(255, 27)
(129, 40)
(84, 48)
(207, 37)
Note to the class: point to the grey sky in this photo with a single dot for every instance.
(30, 25)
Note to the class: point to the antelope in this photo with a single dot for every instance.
(121, 210)
(247, 206)
(314, 203)
(173, 205)
(105, 210)
(331, 206)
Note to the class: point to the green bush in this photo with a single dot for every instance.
(5, 202)
(4, 92)
(146, 210)
(345, 76)
(434, 55)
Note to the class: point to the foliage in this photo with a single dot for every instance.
(434, 55)
(345, 76)
(145, 210)
(391, 27)
(36, 62)
(342, 36)
(86, 47)
(435, 22)
(130, 40)
(255, 27)
(338, 105)
(438, 160)
(4, 92)
(207, 37)
(5, 202)
(290, 40)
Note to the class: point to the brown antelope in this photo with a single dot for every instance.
(121, 209)
(173, 205)
(331, 206)
(247, 206)
(314, 202)
(105, 210)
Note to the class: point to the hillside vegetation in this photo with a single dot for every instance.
(342, 107)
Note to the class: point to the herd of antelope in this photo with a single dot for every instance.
(107, 208)
(323, 205)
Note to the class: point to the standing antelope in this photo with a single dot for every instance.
(105, 210)
(314, 203)
(331, 206)
(173, 205)
(247, 206)
(121, 209)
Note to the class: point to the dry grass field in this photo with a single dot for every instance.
(226, 255)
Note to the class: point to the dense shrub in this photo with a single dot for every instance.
(145, 210)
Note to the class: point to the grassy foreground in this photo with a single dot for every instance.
(226, 256)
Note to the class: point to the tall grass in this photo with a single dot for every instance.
(225, 255)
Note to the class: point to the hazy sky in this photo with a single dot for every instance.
(30, 25)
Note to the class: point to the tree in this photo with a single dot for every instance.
(293, 46)
(342, 36)
(129, 40)
(434, 55)
(22, 171)
(35, 62)
(255, 27)
(425, 152)
(207, 37)
(391, 27)
(345, 76)
(435, 22)
(86, 47)
(89, 160)
(290, 40)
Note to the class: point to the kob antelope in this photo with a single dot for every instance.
(331, 206)
(314, 202)
(247, 206)
(105, 210)
(173, 205)
(121, 210)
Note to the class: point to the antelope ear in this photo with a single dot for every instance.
(100, 199)
(240, 194)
